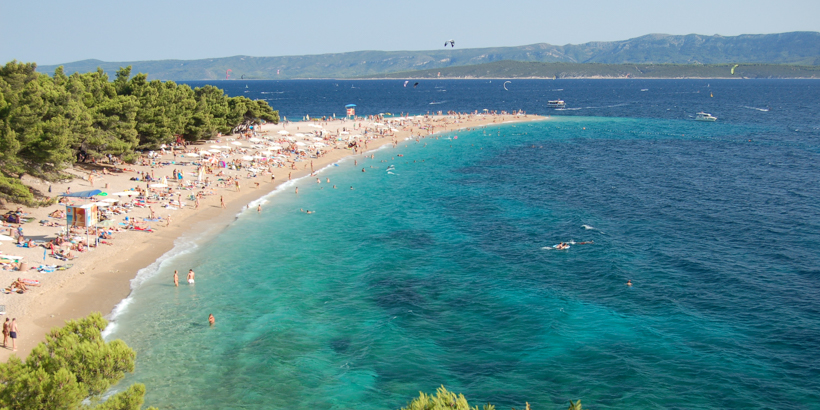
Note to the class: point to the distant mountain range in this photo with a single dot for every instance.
(795, 48)
(523, 69)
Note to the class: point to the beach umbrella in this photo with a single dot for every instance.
(300, 143)
(192, 154)
(266, 153)
(284, 132)
(247, 158)
(106, 223)
(215, 146)
(214, 150)
(236, 143)
(344, 133)
(111, 200)
(158, 186)
(254, 139)
(6, 238)
(125, 193)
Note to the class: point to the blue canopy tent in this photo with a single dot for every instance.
(83, 194)
(85, 215)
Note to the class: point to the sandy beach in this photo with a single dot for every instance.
(100, 277)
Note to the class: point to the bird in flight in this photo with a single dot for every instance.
(452, 43)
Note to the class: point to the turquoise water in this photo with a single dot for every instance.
(435, 273)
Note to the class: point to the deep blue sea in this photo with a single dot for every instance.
(440, 272)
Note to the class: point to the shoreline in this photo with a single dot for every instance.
(101, 279)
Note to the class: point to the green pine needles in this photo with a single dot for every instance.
(48, 123)
(71, 370)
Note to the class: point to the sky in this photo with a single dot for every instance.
(61, 31)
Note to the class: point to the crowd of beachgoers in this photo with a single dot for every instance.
(47, 264)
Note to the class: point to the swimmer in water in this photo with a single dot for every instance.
(211, 319)
(628, 282)
(191, 276)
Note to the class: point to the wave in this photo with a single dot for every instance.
(273, 92)
(755, 108)
(589, 108)
(183, 245)
(437, 102)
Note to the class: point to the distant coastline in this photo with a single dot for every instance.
(780, 52)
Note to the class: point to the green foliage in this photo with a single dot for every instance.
(73, 364)
(48, 122)
(443, 400)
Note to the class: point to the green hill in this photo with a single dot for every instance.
(518, 69)
(798, 48)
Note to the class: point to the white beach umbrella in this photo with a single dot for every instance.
(192, 154)
(266, 153)
(300, 143)
(215, 146)
(214, 150)
(344, 133)
(124, 193)
(158, 186)
(276, 146)
(247, 158)
(6, 238)
(300, 135)
(254, 139)
(236, 143)
(284, 132)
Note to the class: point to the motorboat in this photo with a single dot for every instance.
(556, 104)
(705, 116)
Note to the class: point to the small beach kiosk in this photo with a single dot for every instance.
(351, 110)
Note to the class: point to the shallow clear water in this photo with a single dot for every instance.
(435, 273)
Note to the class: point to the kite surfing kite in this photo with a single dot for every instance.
(733, 68)
(405, 83)
(228, 74)
(505, 84)
(451, 42)
(415, 85)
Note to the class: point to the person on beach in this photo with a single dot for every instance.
(297, 190)
(168, 221)
(259, 208)
(190, 276)
(13, 334)
(222, 201)
(6, 331)
(176, 278)
(211, 319)
(196, 203)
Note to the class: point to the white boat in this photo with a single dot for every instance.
(705, 116)
(556, 104)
